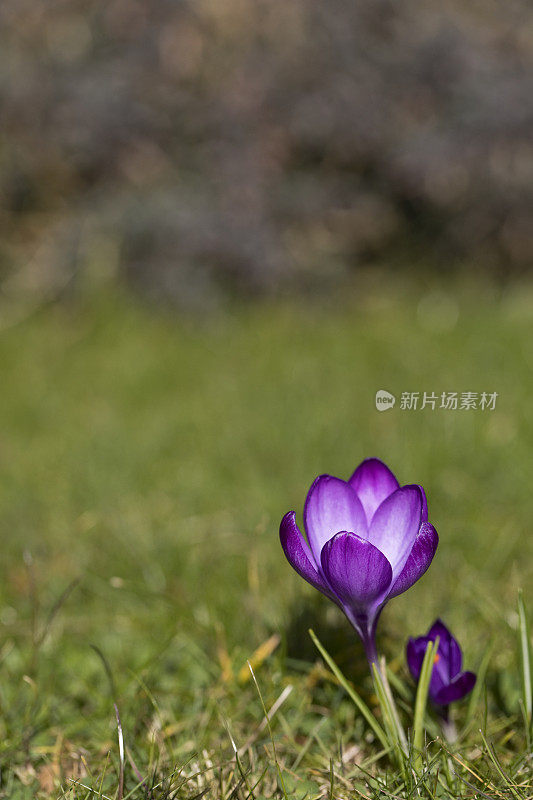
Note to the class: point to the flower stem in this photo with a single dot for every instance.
(448, 725)
(369, 642)
(367, 633)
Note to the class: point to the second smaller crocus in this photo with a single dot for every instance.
(448, 682)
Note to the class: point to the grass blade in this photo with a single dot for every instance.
(384, 673)
(393, 728)
(350, 691)
(421, 702)
(267, 718)
(120, 793)
(480, 682)
(524, 635)
(499, 769)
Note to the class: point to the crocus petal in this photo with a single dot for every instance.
(418, 561)
(331, 506)
(358, 572)
(448, 647)
(299, 555)
(439, 629)
(440, 676)
(416, 649)
(447, 683)
(461, 685)
(373, 482)
(424, 514)
(395, 526)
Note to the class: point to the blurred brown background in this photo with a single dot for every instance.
(204, 149)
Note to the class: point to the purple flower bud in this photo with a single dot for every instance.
(368, 540)
(448, 683)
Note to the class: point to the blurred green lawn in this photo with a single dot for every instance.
(152, 457)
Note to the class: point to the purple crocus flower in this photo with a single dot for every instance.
(448, 683)
(368, 541)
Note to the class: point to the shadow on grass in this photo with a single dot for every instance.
(334, 632)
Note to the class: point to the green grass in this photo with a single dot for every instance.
(150, 458)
